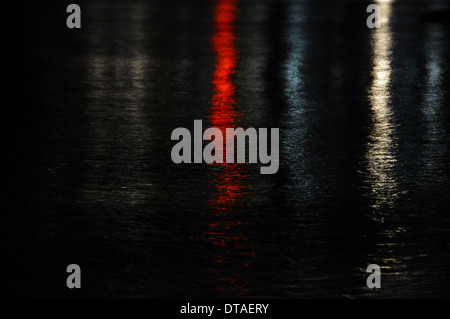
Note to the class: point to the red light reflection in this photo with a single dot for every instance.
(223, 113)
(228, 179)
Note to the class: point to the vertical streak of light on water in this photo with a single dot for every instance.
(297, 113)
(434, 149)
(381, 152)
(227, 179)
(117, 130)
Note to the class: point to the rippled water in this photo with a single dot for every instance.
(364, 151)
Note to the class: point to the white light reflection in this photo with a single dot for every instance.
(381, 153)
(118, 131)
(294, 63)
(297, 114)
(431, 106)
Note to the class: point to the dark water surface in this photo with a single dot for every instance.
(364, 151)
